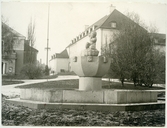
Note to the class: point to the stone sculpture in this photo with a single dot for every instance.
(89, 66)
(91, 47)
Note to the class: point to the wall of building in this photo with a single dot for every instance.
(19, 43)
(72, 50)
(19, 60)
(62, 63)
(76, 48)
(108, 35)
(103, 36)
(17, 63)
(161, 48)
(59, 63)
(8, 66)
(53, 64)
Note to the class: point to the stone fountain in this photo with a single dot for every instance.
(90, 68)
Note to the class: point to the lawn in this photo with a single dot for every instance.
(11, 82)
(20, 77)
(74, 84)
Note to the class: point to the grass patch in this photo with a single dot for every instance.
(8, 82)
(74, 84)
(66, 73)
(19, 77)
(48, 77)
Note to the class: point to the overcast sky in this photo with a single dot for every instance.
(68, 20)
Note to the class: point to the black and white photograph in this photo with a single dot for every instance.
(83, 63)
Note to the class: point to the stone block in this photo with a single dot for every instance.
(37, 94)
(153, 96)
(121, 97)
(139, 96)
(131, 97)
(54, 96)
(44, 95)
(90, 83)
(146, 96)
(110, 97)
(25, 94)
(99, 96)
(76, 96)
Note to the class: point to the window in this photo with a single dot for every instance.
(113, 25)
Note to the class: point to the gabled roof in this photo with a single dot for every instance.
(63, 54)
(27, 47)
(99, 22)
(104, 22)
(12, 30)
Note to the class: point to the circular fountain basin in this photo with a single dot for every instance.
(90, 66)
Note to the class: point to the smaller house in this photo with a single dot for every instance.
(60, 62)
(21, 52)
(160, 41)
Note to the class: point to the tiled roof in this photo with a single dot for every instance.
(63, 54)
(13, 31)
(104, 22)
(97, 24)
(27, 47)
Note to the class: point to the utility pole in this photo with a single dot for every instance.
(47, 47)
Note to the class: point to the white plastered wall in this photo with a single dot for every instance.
(59, 63)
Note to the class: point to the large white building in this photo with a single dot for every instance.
(105, 28)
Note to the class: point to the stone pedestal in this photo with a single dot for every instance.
(90, 70)
(90, 83)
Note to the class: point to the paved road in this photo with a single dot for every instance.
(10, 90)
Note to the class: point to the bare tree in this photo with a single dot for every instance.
(31, 39)
(31, 33)
(132, 51)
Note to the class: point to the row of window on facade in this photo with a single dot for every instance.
(85, 33)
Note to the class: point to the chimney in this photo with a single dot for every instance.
(112, 8)
(86, 26)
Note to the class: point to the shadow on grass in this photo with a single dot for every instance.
(74, 84)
